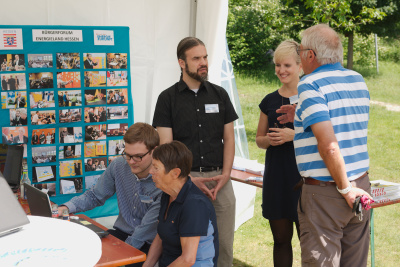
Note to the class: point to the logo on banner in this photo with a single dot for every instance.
(12, 39)
(103, 37)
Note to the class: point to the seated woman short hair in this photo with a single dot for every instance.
(187, 232)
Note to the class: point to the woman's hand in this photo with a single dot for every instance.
(279, 136)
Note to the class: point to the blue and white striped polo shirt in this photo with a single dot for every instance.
(332, 93)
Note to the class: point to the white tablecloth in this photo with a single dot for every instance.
(50, 242)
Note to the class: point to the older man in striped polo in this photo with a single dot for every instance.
(330, 142)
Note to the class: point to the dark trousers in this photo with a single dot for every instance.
(123, 236)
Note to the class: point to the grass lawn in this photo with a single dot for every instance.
(253, 240)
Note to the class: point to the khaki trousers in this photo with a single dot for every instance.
(330, 234)
(224, 206)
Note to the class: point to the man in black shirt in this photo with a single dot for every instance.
(35, 139)
(200, 115)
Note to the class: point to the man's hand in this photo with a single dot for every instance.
(200, 183)
(221, 181)
(353, 194)
(288, 115)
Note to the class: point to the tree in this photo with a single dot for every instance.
(254, 27)
(346, 16)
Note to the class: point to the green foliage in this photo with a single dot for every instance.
(254, 27)
(389, 49)
(345, 16)
(363, 50)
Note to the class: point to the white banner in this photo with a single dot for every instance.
(11, 39)
(57, 35)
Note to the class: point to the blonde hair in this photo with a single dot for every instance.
(287, 49)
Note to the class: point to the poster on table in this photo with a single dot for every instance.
(65, 93)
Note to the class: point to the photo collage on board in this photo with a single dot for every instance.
(71, 109)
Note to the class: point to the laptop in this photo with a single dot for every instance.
(39, 204)
(13, 217)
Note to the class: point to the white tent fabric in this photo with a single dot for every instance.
(156, 27)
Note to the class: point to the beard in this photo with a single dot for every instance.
(195, 75)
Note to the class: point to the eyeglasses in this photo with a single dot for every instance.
(298, 50)
(137, 158)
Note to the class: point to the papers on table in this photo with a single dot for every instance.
(384, 191)
(247, 165)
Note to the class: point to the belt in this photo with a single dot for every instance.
(206, 169)
(312, 181)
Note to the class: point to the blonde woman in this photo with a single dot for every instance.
(279, 204)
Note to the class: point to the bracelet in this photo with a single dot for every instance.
(345, 190)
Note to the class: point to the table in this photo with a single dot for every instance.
(114, 251)
(241, 176)
(50, 242)
(374, 206)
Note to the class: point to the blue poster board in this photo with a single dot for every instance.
(66, 93)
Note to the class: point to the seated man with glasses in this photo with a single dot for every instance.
(138, 198)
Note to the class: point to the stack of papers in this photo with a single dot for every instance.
(247, 165)
(384, 191)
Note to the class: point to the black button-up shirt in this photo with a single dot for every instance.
(196, 119)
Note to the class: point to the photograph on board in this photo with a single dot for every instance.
(68, 79)
(48, 188)
(117, 78)
(117, 129)
(117, 60)
(117, 113)
(43, 136)
(95, 164)
(117, 96)
(116, 147)
(13, 81)
(43, 173)
(70, 168)
(13, 100)
(95, 132)
(70, 135)
(44, 154)
(71, 186)
(15, 135)
(41, 99)
(68, 61)
(69, 98)
(95, 97)
(95, 114)
(40, 61)
(91, 180)
(12, 62)
(40, 117)
(70, 115)
(41, 80)
(68, 152)
(111, 158)
(95, 149)
(18, 117)
(95, 78)
(94, 60)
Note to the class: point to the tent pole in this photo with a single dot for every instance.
(193, 15)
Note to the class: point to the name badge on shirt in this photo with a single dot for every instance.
(294, 99)
(212, 108)
(146, 199)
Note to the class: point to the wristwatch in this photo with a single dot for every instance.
(344, 190)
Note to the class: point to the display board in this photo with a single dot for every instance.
(66, 95)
